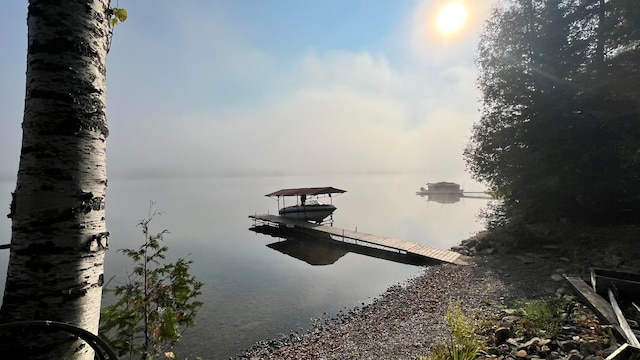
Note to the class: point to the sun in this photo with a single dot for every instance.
(451, 18)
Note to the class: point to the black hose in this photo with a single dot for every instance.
(99, 346)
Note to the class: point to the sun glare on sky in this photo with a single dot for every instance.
(451, 18)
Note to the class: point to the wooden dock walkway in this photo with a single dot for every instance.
(369, 240)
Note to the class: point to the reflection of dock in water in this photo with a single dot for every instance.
(312, 250)
(454, 197)
(358, 242)
(321, 249)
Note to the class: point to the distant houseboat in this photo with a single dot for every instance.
(442, 187)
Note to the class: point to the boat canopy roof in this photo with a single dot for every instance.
(307, 191)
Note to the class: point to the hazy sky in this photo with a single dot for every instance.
(252, 86)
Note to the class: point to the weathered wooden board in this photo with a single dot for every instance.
(626, 285)
(593, 300)
(626, 329)
(624, 352)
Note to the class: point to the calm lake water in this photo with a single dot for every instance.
(253, 292)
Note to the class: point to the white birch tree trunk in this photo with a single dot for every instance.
(58, 236)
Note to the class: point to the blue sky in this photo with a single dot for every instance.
(225, 87)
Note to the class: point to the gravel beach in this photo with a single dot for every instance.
(409, 318)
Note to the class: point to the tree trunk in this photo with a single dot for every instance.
(58, 234)
(599, 56)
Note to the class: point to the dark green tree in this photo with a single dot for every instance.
(559, 131)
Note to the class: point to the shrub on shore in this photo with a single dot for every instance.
(465, 344)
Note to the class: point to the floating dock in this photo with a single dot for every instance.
(366, 240)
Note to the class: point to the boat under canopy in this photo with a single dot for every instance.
(306, 209)
(311, 210)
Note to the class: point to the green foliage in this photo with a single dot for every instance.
(118, 15)
(464, 344)
(538, 317)
(155, 303)
(558, 134)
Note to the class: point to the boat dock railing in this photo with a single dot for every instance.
(364, 239)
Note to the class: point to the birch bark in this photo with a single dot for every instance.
(58, 235)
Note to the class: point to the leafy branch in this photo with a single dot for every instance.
(116, 15)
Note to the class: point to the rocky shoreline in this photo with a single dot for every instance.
(409, 319)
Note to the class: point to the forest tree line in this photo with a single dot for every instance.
(558, 139)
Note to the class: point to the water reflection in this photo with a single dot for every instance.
(321, 249)
(309, 252)
(443, 198)
(452, 198)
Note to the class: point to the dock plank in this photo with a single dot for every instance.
(393, 244)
